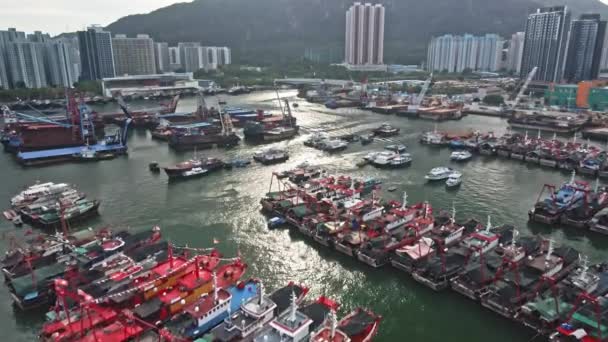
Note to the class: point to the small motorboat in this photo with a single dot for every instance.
(461, 156)
(439, 173)
(153, 166)
(396, 148)
(366, 139)
(454, 180)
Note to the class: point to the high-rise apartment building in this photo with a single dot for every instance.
(6, 37)
(133, 56)
(456, 53)
(189, 56)
(58, 64)
(161, 55)
(25, 64)
(545, 43)
(515, 52)
(364, 44)
(490, 52)
(585, 48)
(96, 56)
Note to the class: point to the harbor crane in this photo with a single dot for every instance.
(524, 87)
(413, 108)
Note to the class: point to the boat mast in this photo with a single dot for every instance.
(584, 266)
(549, 250)
(404, 201)
(453, 213)
(294, 307)
(489, 224)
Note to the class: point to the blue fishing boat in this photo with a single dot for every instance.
(570, 195)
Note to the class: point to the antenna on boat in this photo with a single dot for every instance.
(538, 136)
(597, 184)
(584, 260)
(489, 224)
(514, 238)
(333, 324)
(404, 200)
(453, 213)
(549, 250)
(261, 299)
(554, 136)
(574, 138)
(573, 176)
(526, 137)
(293, 308)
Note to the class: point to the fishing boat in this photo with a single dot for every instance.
(210, 310)
(386, 130)
(271, 156)
(461, 156)
(188, 290)
(449, 262)
(290, 325)
(361, 325)
(550, 209)
(454, 180)
(439, 173)
(255, 313)
(521, 284)
(599, 222)
(552, 307)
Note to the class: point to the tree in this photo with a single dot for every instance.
(493, 100)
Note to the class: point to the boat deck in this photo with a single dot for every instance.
(68, 151)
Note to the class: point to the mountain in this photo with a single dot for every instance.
(268, 31)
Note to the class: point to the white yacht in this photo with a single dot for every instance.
(439, 173)
(461, 156)
(454, 180)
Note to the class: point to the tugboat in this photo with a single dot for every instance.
(386, 130)
(271, 156)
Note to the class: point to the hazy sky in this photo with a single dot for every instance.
(57, 16)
